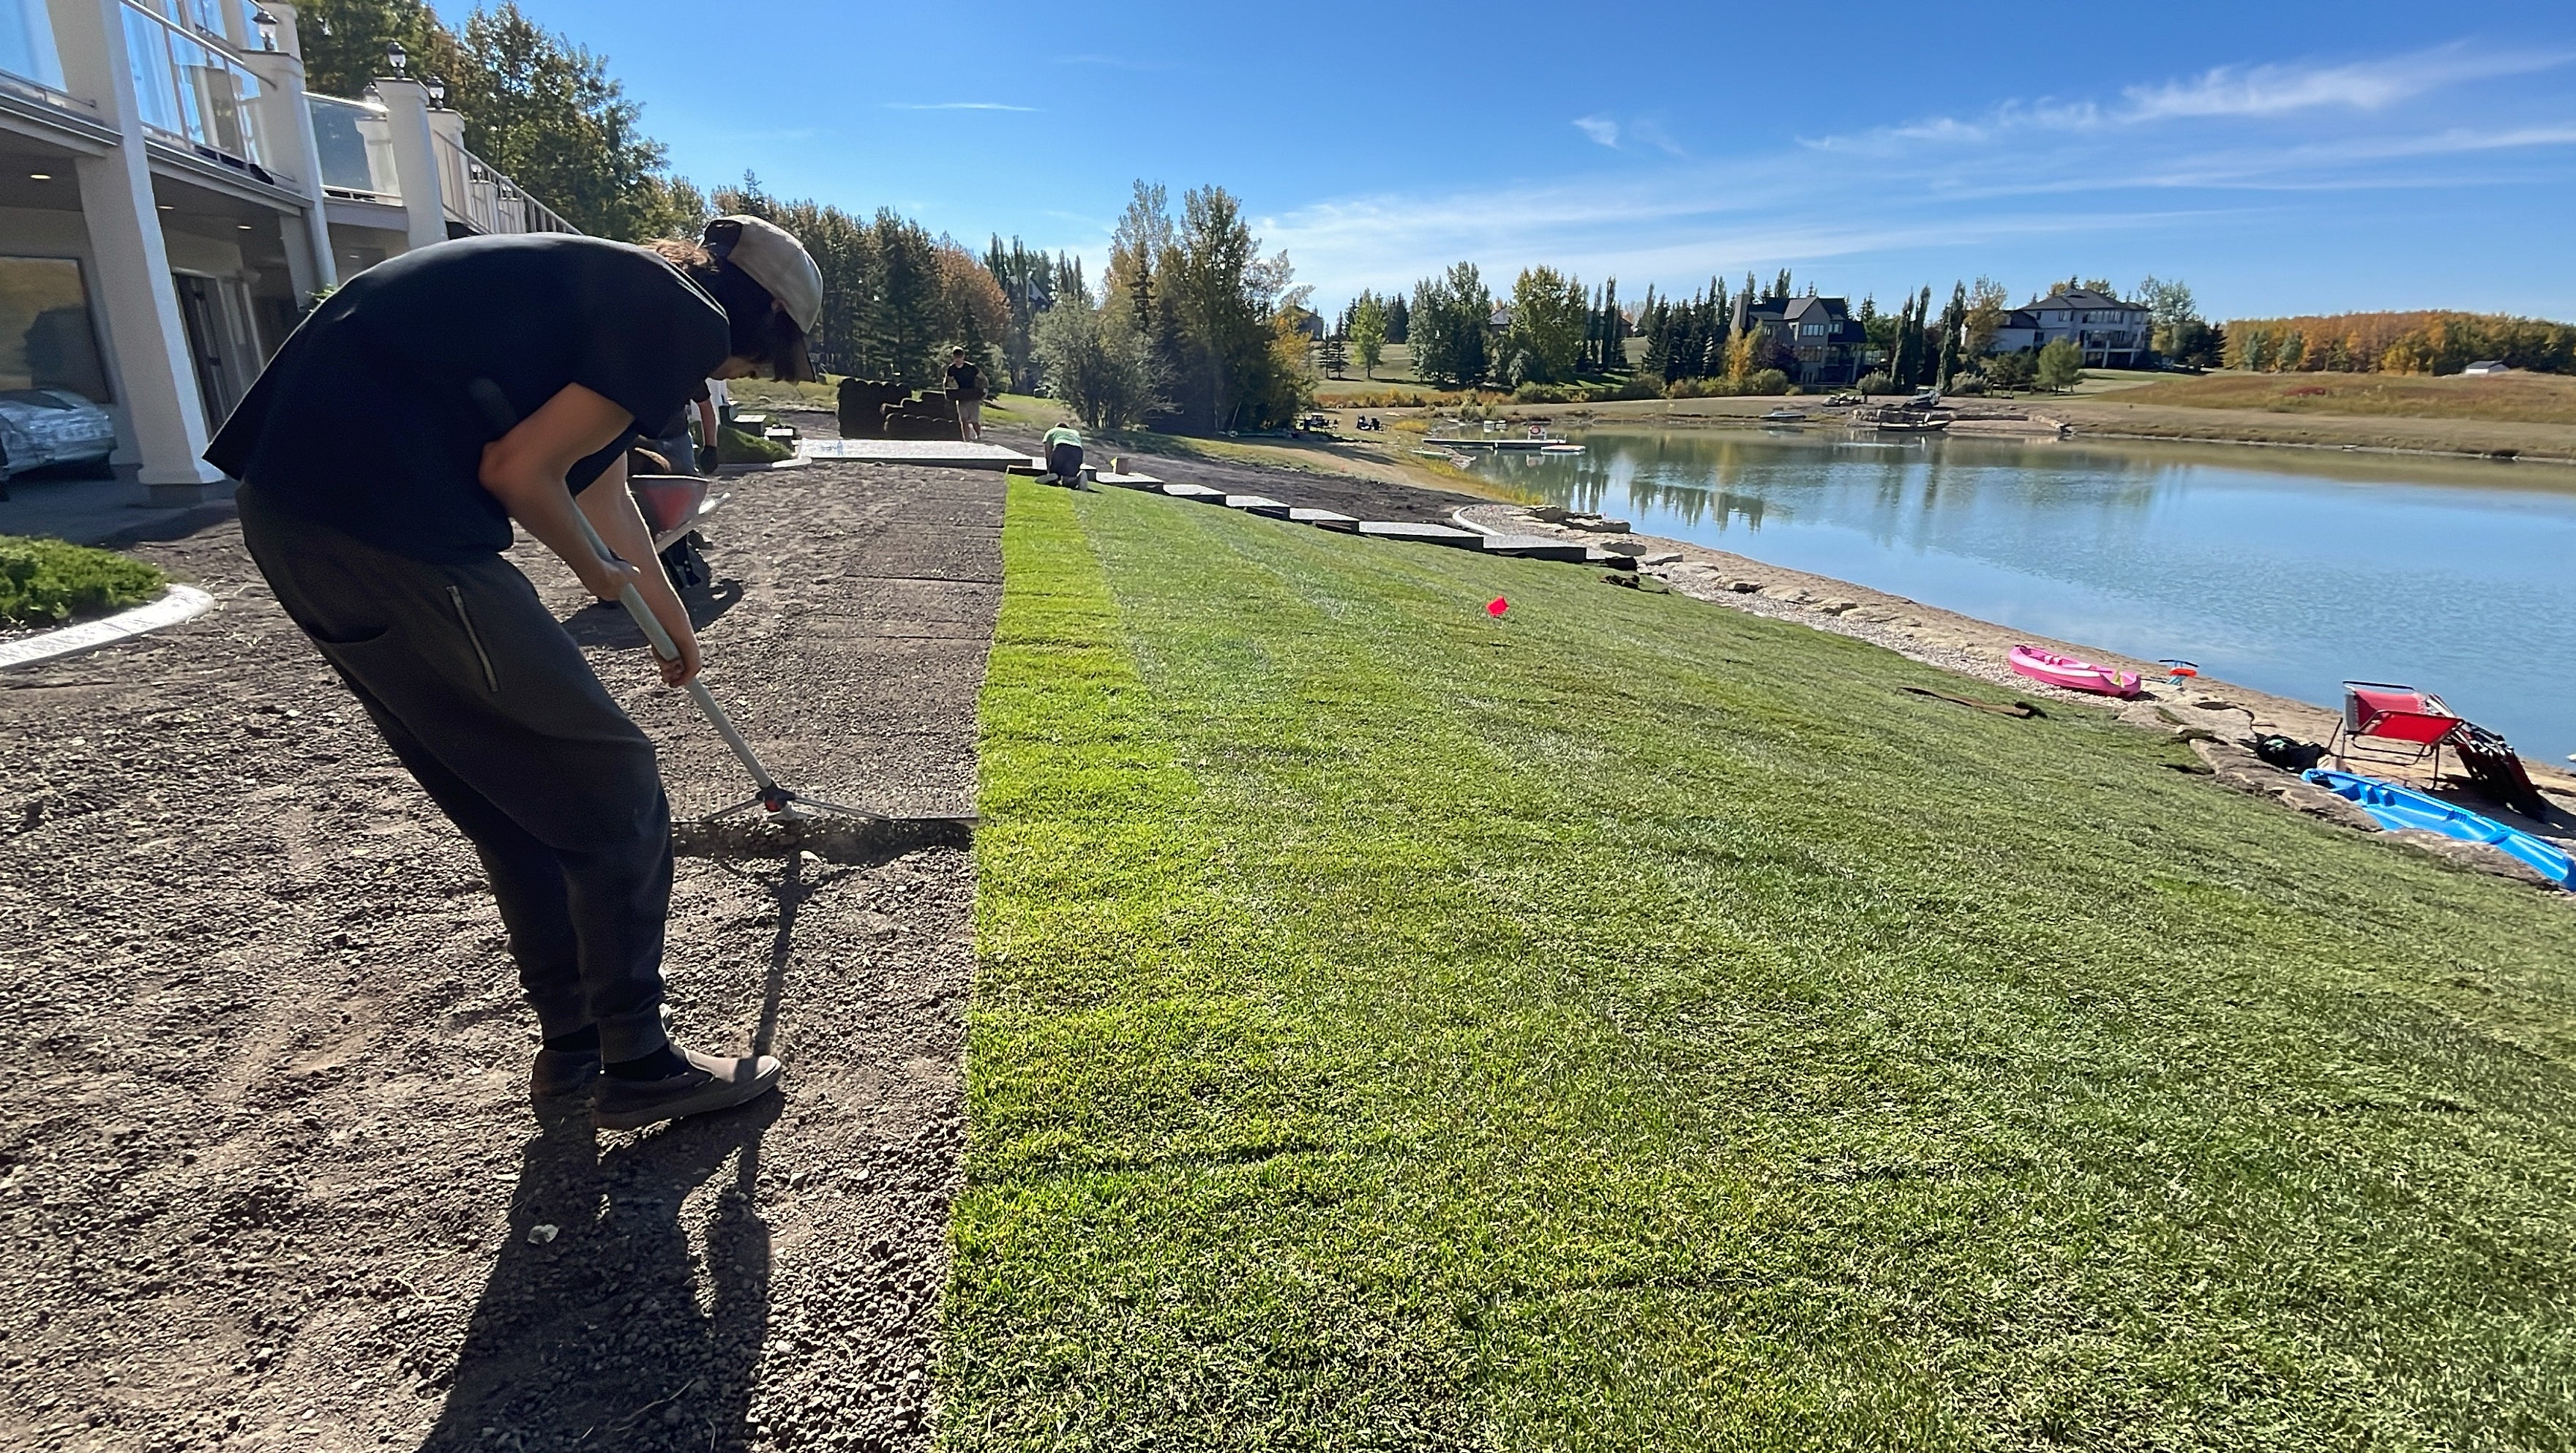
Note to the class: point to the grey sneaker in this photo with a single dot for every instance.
(562, 1072)
(707, 1084)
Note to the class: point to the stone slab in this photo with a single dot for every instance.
(1422, 534)
(934, 453)
(1325, 519)
(1258, 504)
(1195, 491)
(1537, 547)
(1129, 481)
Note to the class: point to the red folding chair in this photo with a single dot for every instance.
(2400, 716)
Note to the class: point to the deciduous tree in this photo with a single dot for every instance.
(1368, 333)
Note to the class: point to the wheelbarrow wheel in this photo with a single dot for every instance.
(682, 562)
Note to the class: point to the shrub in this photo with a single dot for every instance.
(2012, 370)
(1875, 383)
(1547, 393)
(1639, 386)
(1767, 381)
(46, 581)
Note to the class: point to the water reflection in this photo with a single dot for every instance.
(2286, 572)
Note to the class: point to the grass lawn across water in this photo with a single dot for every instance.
(1632, 1024)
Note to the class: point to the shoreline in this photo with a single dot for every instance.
(1975, 648)
(2105, 417)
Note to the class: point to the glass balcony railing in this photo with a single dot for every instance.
(357, 149)
(190, 88)
(28, 62)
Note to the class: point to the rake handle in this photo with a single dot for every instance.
(669, 650)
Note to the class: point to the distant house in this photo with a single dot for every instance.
(1501, 320)
(2486, 366)
(1310, 323)
(2111, 333)
(1822, 342)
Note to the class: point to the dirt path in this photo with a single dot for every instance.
(271, 1179)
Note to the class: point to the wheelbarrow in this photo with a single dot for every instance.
(673, 506)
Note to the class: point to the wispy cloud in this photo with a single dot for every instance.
(1610, 132)
(954, 106)
(2229, 151)
(2235, 91)
(1653, 134)
(2362, 86)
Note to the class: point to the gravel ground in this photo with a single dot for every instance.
(272, 1180)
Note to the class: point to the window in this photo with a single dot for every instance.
(45, 336)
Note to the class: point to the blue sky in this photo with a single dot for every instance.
(2279, 155)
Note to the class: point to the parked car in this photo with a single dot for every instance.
(49, 426)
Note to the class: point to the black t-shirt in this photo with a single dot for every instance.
(365, 421)
(965, 381)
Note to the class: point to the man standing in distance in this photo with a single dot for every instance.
(384, 454)
(966, 390)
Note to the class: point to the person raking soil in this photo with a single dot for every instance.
(380, 471)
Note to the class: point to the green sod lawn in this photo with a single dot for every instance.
(1631, 1024)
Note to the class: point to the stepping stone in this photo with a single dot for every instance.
(1593, 555)
(1195, 491)
(1325, 520)
(1537, 547)
(1129, 481)
(1422, 534)
(1257, 504)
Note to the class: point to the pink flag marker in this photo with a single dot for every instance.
(1497, 606)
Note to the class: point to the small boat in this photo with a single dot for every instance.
(1784, 416)
(2394, 807)
(2072, 674)
(1560, 449)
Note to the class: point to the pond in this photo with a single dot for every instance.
(2286, 571)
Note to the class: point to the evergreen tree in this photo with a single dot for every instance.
(1614, 357)
(1954, 323)
(1780, 287)
(1900, 360)
(1399, 320)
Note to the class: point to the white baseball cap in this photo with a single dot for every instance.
(773, 258)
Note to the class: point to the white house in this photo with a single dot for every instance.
(2111, 333)
(170, 194)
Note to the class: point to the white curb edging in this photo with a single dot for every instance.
(179, 603)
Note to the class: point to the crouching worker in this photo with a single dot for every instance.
(383, 455)
(1064, 454)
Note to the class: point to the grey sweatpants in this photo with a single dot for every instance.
(490, 705)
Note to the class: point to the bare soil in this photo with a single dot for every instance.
(272, 1179)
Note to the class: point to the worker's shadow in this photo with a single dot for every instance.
(609, 1332)
(607, 625)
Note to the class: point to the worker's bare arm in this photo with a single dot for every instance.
(621, 527)
(524, 469)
